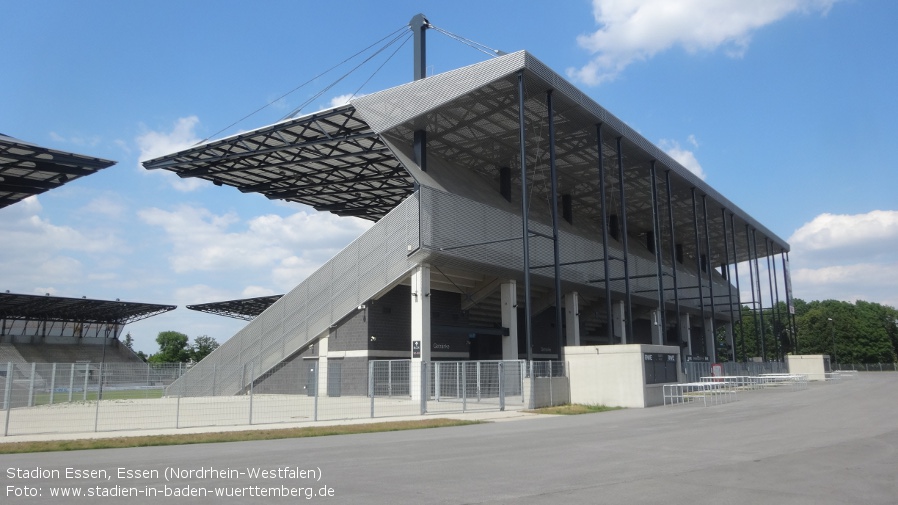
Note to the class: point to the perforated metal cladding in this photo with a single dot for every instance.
(391, 107)
(357, 273)
(471, 116)
(454, 226)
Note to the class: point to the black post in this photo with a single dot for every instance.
(726, 265)
(698, 270)
(776, 291)
(710, 279)
(673, 256)
(609, 327)
(553, 174)
(773, 313)
(738, 288)
(656, 230)
(763, 334)
(525, 218)
(788, 286)
(419, 25)
(623, 211)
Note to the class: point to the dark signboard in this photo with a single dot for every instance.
(416, 349)
(660, 368)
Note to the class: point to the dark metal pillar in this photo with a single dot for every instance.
(779, 318)
(738, 288)
(726, 266)
(673, 256)
(759, 345)
(525, 217)
(659, 264)
(623, 212)
(710, 279)
(609, 327)
(419, 25)
(698, 268)
(787, 280)
(773, 315)
(760, 307)
(553, 175)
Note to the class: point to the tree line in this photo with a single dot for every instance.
(175, 347)
(859, 332)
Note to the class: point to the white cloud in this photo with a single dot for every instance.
(871, 232)
(636, 30)
(109, 207)
(288, 248)
(341, 100)
(847, 257)
(154, 144)
(684, 157)
(88, 141)
(36, 250)
(200, 293)
(257, 291)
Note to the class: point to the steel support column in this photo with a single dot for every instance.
(773, 314)
(609, 327)
(625, 243)
(751, 280)
(553, 174)
(726, 253)
(525, 218)
(760, 307)
(656, 230)
(419, 26)
(673, 257)
(710, 279)
(787, 281)
(776, 305)
(698, 266)
(738, 289)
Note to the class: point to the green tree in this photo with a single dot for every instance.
(129, 341)
(202, 347)
(173, 348)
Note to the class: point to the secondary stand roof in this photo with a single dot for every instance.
(83, 310)
(27, 169)
(246, 309)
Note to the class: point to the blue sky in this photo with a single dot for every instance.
(787, 107)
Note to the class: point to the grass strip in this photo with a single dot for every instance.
(573, 409)
(226, 436)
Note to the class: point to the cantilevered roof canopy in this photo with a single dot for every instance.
(472, 121)
(27, 169)
(83, 310)
(329, 160)
(246, 309)
(344, 160)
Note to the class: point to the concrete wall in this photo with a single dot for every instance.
(812, 365)
(550, 391)
(614, 375)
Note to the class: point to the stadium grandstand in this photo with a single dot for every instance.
(54, 329)
(513, 215)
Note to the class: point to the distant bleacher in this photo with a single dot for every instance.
(65, 353)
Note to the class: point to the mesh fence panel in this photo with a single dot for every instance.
(84, 397)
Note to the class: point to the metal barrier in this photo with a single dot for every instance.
(80, 397)
(694, 370)
(865, 367)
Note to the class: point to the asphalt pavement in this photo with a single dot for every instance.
(834, 443)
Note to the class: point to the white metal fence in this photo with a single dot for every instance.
(866, 367)
(79, 397)
(695, 370)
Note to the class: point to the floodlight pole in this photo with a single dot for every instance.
(418, 25)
